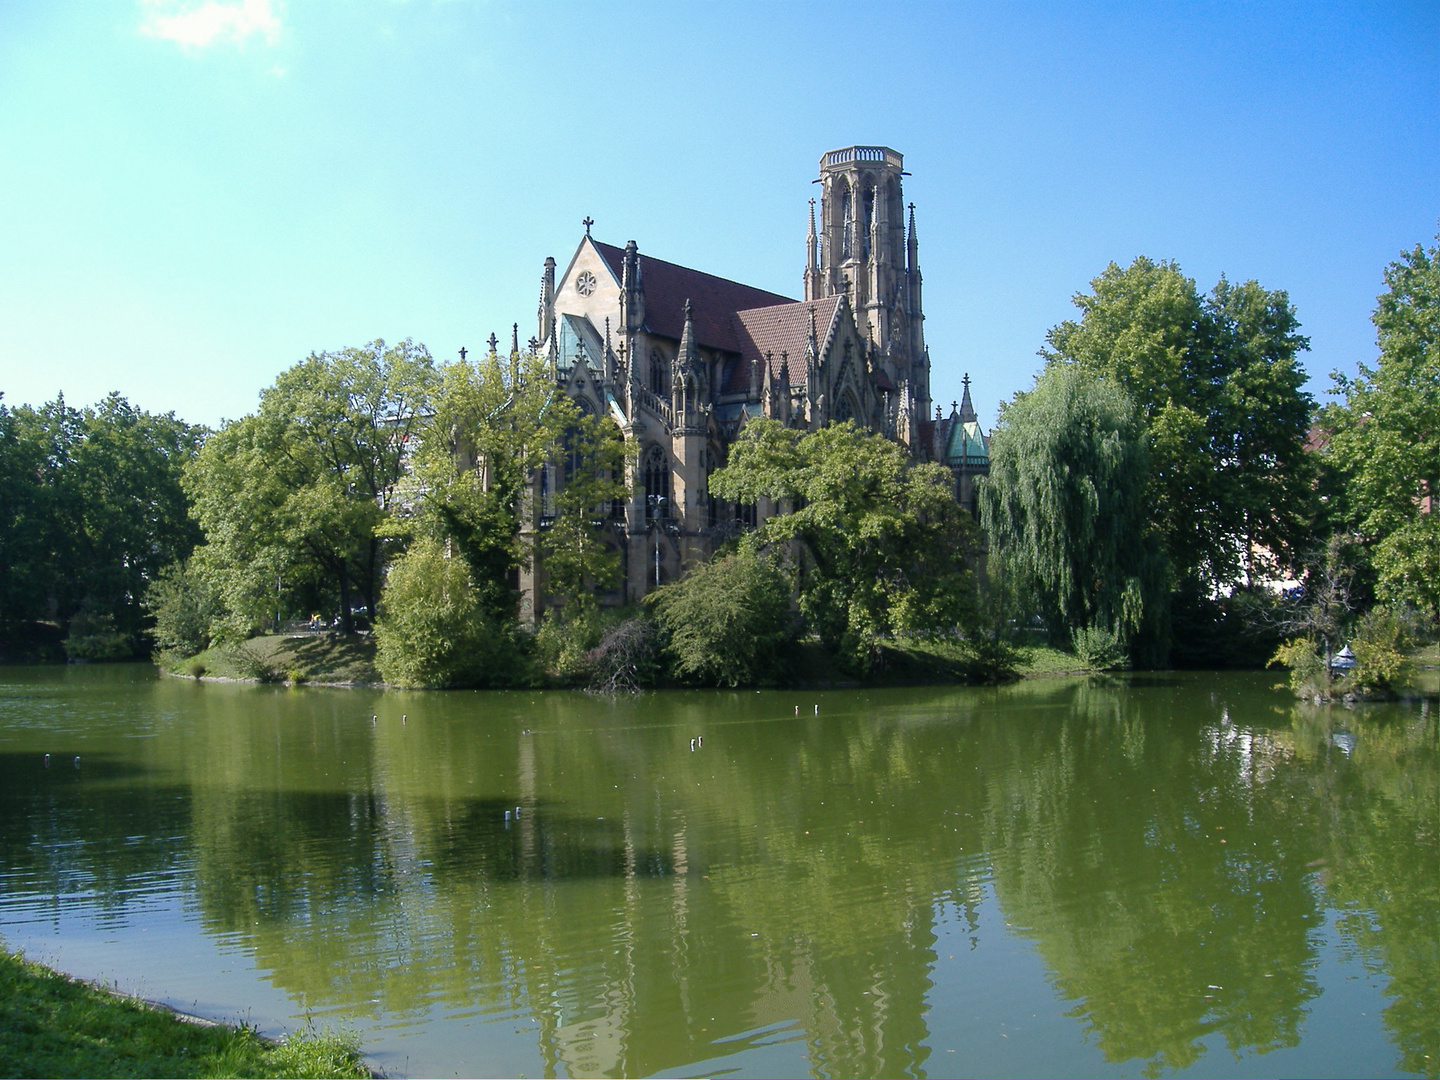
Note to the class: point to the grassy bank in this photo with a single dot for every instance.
(51, 1025)
(323, 659)
(316, 658)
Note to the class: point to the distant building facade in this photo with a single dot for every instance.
(681, 359)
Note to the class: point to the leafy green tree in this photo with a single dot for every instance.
(513, 470)
(93, 509)
(1386, 441)
(881, 541)
(1218, 384)
(434, 631)
(184, 608)
(1064, 506)
(728, 621)
(295, 495)
(26, 567)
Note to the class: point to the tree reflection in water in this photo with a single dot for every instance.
(1170, 848)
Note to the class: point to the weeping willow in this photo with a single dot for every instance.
(1064, 507)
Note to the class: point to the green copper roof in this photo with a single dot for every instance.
(967, 445)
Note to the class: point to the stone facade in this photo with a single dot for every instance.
(681, 359)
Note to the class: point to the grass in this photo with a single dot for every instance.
(52, 1025)
(276, 658)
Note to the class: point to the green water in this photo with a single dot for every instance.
(1163, 874)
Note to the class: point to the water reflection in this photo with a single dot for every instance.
(1170, 847)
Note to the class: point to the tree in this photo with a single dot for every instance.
(434, 631)
(1386, 441)
(25, 534)
(294, 495)
(881, 541)
(92, 509)
(1065, 507)
(1218, 384)
(728, 620)
(498, 427)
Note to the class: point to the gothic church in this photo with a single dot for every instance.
(681, 359)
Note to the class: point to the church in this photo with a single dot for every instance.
(681, 359)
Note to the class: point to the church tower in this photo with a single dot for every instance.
(863, 250)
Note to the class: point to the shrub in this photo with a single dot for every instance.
(433, 631)
(1308, 676)
(1098, 647)
(566, 637)
(1379, 644)
(94, 637)
(249, 664)
(627, 658)
(184, 606)
(728, 621)
(195, 668)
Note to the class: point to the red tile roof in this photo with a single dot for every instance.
(781, 329)
(714, 300)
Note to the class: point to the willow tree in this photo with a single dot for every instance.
(1065, 506)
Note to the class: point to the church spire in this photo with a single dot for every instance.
(547, 300)
(812, 259)
(967, 413)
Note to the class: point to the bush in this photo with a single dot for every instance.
(1379, 644)
(728, 621)
(195, 668)
(1308, 676)
(94, 637)
(249, 664)
(1098, 647)
(183, 606)
(433, 630)
(566, 637)
(627, 658)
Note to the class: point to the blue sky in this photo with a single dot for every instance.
(195, 195)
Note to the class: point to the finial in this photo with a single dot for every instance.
(515, 337)
(587, 223)
(954, 405)
(534, 343)
(494, 342)
(607, 331)
(462, 354)
(687, 309)
(937, 412)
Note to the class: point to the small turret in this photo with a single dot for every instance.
(813, 288)
(632, 290)
(547, 300)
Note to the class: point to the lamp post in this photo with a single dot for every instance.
(656, 504)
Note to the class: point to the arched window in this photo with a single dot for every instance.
(847, 221)
(844, 409)
(867, 213)
(658, 374)
(655, 473)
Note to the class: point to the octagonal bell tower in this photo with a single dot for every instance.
(864, 250)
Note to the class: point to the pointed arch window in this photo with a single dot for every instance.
(655, 475)
(659, 374)
(847, 221)
(867, 212)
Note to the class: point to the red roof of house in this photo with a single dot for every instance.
(714, 300)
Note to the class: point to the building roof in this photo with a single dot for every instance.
(715, 300)
(780, 330)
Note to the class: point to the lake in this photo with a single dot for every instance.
(1174, 873)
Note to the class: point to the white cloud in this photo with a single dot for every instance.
(205, 23)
